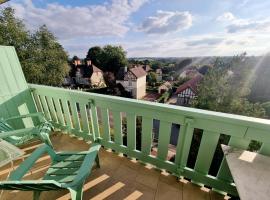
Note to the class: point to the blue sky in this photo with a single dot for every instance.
(161, 28)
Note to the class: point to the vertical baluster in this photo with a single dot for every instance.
(183, 145)
(265, 149)
(75, 116)
(105, 123)
(45, 107)
(84, 117)
(206, 152)
(164, 139)
(37, 101)
(94, 121)
(67, 114)
(224, 171)
(131, 131)
(59, 112)
(117, 124)
(52, 110)
(147, 124)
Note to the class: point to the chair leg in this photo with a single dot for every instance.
(76, 194)
(97, 161)
(36, 195)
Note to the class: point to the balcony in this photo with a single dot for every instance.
(118, 178)
(135, 135)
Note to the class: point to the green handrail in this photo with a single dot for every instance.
(91, 116)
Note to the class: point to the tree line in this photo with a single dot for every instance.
(42, 57)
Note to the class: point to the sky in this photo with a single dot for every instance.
(153, 28)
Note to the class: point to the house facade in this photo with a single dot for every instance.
(133, 80)
(164, 87)
(87, 74)
(187, 92)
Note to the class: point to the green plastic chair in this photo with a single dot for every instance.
(21, 136)
(68, 170)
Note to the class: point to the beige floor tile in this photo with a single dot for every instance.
(192, 191)
(166, 191)
(148, 177)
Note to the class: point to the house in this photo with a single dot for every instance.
(133, 80)
(147, 68)
(164, 87)
(87, 74)
(159, 75)
(188, 91)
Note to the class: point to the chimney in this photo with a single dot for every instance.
(77, 62)
(89, 62)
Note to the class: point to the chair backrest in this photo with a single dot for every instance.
(15, 95)
(43, 133)
(4, 126)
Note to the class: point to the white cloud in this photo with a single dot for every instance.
(227, 16)
(166, 21)
(235, 25)
(250, 26)
(109, 19)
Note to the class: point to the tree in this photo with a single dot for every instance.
(152, 78)
(49, 58)
(224, 89)
(95, 55)
(43, 59)
(109, 58)
(14, 33)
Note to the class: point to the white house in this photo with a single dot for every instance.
(188, 91)
(133, 80)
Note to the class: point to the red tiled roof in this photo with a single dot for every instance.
(192, 84)
(138, 72)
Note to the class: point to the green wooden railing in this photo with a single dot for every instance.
(90, 116)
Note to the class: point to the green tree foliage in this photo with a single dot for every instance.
(43, 59)
(109, 58)
(49, 58)
(224, 88)
(152, 78)
(95, 55)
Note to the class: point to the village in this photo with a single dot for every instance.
(138, 81)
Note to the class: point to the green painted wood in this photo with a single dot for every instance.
(84, 118)
(233, 125)
(45, 107)
(187, 139)
(52, 109)
(224, 171)
(206, 152)
(94, 121)
(164, 139)
(75, 116)
(105, 124)
(147, 132)
(37, 102)
(59, 112)
(117, 125)
(180, 145)
(67, 114)
(131, 131)
(265, 149)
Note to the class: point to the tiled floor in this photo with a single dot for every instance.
(118, 178)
